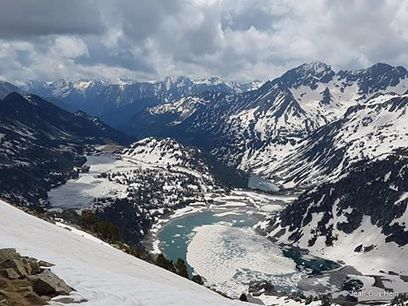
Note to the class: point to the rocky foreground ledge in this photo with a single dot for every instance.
(27, 281)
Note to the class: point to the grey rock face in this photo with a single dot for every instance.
(47, 283)
(24, 281)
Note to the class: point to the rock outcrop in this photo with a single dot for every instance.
(27, 281)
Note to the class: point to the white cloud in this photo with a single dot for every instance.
(68, 47)
(233, 39)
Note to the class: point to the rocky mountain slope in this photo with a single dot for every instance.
(115, 101)
(360, 218)
(374, 129)
(354, 208)
(256, 129)
(40, 145)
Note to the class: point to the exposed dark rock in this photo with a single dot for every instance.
(243, 298)
(8, 253)
(45, 264)
(17, 265)
(404, 278)
(362, 192)
(261, 287)
(47, 283)
(9, 273)
(379, 282)
(358, 249)
(326, 97)
(23, 281)
(352, 285)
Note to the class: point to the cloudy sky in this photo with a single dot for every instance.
(233, 39)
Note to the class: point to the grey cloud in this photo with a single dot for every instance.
(25, 18)
(260, 14)
(144, 18)
(124, 55)
(232, 39)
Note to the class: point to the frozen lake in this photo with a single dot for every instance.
(177, 234)
(79, 193)
(222, 247)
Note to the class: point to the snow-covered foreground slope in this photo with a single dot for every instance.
(100, 273)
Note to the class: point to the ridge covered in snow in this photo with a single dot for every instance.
(100, 96)
(41, 145)
(375, 129)
(254, 130)
(361, 218)
(143, 183)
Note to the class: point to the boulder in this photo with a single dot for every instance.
(45, 264)
(47, 283)
(21, 268)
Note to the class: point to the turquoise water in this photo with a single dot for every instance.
(176, 235)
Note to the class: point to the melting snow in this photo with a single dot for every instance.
(229, 257)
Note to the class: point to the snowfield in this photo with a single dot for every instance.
(381, 258)
(98, 272)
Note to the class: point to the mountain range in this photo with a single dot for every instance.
(255, 130)
(338, 139)
(112, 101)
(253, 126)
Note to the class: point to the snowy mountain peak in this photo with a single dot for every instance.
(240, 87)
(309, 74)
(314, 67)
(382, 68)
(210, 81)
(368, 131)
(378, 77)
(176, 81)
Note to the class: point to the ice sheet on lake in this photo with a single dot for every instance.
(80, 193)
(228, 257)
